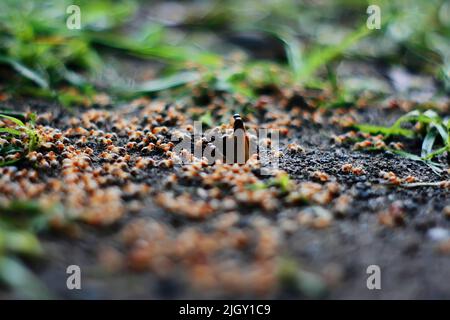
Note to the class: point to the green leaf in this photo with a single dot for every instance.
(169, 82)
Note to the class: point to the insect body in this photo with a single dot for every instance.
(240, 141)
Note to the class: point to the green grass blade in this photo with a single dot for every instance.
(18, 115)
(443, 132)
(9, 150)
(25, 71)
(164, 52)
(15, 120)
(169, 82)
(437, 152)
(207, 119)
(387, 131)
(436, 167)
(22, 242)
(32, 134)
(322, 56)
(11, 131)
(428, 142)
(410, 116)
(293, 49)
(406, 155)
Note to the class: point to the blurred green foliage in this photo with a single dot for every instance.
(435, 131)
(189, 36)
(19, 222)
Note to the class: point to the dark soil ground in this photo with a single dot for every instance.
(247, 250)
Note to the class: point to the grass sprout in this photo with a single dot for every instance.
(32, 138)
(283, 182)
(432, 128)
